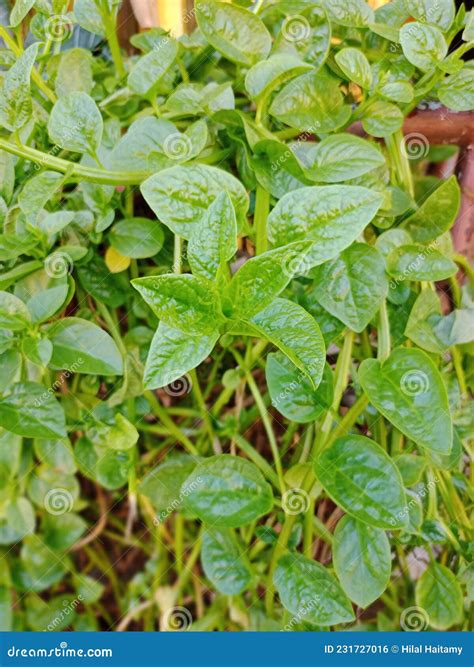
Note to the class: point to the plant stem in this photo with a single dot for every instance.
(383, 349)
(110, 24)
(162, 415)
(258, 459)
(77, 172)
(262, 207)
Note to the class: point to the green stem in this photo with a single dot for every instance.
(401, 170)
(262, 207)
(268, 427)
(457, 363)
(202, 406)
(77, 172)
(160, 412)
(110, 24)
(383, 350)
(258, 459)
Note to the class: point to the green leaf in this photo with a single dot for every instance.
(227, 491)
(81, 346)
(76, 123)
(350, 13)
(16, 104)
(37, 350)
(262, 278)
(37, 191)
(409, 391)
(437, 12)
(150, 69)
(457, 91)
(310, 592)
(112, 469)
(62, 531)
(423, 45)
(332, 216)
(352, 286)
(180, 196)
(240, 35)
(7, 175)
(270, 74)
(341, 157)
(21, 516)
(214, 240)
(142, 147)
(439, 594)
(355, 66)
(162, 485)
(312, 102)
(292, 393)
(74, 73)
(31, 410)
(120, 436)
(224, 562)
(417, 262)
(411, 468)
(292, 329)
(362, 479)
(19, 11)
(362, 560)
(437, 213)
(14, 314)
(137, 237)
(382, 119)
(187, 302)
(173, 353)
(88, 16)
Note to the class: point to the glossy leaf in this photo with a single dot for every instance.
(355, 66)
(296, 334)
(436, 214)
(309, 591)
(439, 594)
(76, 123)
(332, 216)
(341, 157)
(224, 562)
(180, 196)
(237, 33)
(14, 314)
(457, 91)
(83, 347)
(16, 105)
(162, 484)
(352, 286)
(31, 410)
(351, 13)
(214, 240)
(408, 390)
(293, 394)
(187, 302)
(173, 353)
(436, 12)
(262, 278)
(311, 102)
(152, 67)
(381, 119)
(417, 262)
(423, 45)
(362, 560)
(137, 237)
(269, 74)
(361, 478)
(227, 491)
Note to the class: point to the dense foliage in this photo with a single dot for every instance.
(231, 395)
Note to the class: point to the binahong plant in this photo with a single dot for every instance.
(236, 341)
